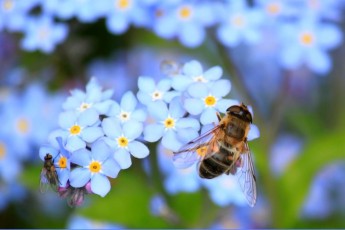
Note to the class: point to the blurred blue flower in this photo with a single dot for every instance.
(239, 23)
(127, 110)
(170, 125)
(192, 72)
(14, 14)
(10, 165)
(78, 222)
(208, 100)
(122, 139)
(329, 10)
(121, 13)
(186, 20)
(159, 207)
(11, 192)
(78, 129)
(97, 165)
(41, 33)
(308, 43)
(94, 98)
(149, 91)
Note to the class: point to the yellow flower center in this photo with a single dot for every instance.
(84, 106)
(23, 125)
(169, 123)
(185, 12)
(75, 129)
(123, 4)
(2, 150)
(202, 151)
(95, 167)
(307, 38)
(8, 5)
(156, 95)
(238, 20)
(122, 142)
(273, 8)
(210, 101)
(62, 162)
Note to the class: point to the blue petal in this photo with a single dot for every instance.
(144, 98)
(170, 141)
(228, 36)
(100, 184)
(192, 68)
(169, 96)
(71, 103)
(188, 123)
(138, 149)
(291, 57)
(110, 168)
(208, 116)
(153, 132)
(198, 90)
(220, 88)
(63, 175)
(132, 129)
(45, 150)
(175, 108)
(117, 24)
(254, 132)
(88, 117)
(74, 143)
(194, 106)
(114, 110)
(191, 35)
(94, 95)
(128, 102)
(319, 61)
(90, 134)
(139, 115)
(79, 177)
(103, 107)
(158, 110)
(164, 85)
(81, 157)
(181, 82)
(213, 73)
(111, 127)
(67, 119)
(123, 158)
(146, 84)
(187, 134)
(100, 151)
(223, 104)
(57, 133)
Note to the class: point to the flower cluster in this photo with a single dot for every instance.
(304, 30)
(98, 136)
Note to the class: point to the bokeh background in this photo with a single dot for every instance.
(284, 58)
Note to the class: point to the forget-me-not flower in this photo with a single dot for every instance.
(122, 139)
(97, 165)
(170, 125)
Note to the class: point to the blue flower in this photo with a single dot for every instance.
(97, 165)
(170, 125)
(10, 165)
(239, 23)
(122, 139)
(185, 20)
(307, 43)
(225, 190)
(78, 222)
(127, 111)
(61, 161)
(41, 33)
(192, 72)
(149, 91)
(121, 13)
(94, 98)
(207, 101)
(78, 129)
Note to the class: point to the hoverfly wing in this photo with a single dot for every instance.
(197, 149)
(44, 183)
(246, 176)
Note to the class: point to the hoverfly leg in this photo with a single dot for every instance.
(218, 116)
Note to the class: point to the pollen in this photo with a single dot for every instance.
(202, 151)
(75, 129)
(95, 167)
(2, 150)
(169, 123)
(273, 8)
(185, 12)
(23, 125)
(307, 38)
(238, 20)
(84, 106)
(8, 5)
(62, 162)
(156, 95)
(122, 142)
(124, 116)
(123, 4)
(210, 101)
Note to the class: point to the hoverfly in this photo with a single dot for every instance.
(224, 149)
(49, 175)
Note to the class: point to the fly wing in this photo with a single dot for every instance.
(198, 149)
(44, 184)
(246, 176)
